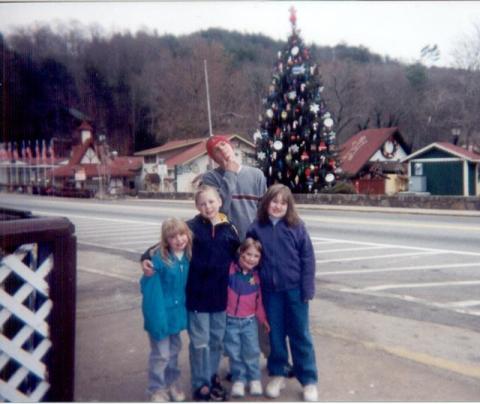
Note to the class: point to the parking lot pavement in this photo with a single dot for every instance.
(358, 356)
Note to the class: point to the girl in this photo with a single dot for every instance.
(244, 303)
(288, 281)
(164, 309)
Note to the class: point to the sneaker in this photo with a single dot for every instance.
(256, 388)
(217, 391)
(176, 394)
(238, 389)
(274, 386)
(310, 392)
(160, 396)
(202, 393)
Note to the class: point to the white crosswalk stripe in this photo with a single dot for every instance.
(376, 269)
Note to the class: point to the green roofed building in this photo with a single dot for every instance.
(443, 168)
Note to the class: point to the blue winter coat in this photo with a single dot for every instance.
(288, 258)
(214, 248)
(163, 304)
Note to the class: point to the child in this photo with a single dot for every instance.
(288, 281)
(164, 309)
(244, 303)
(215, 242)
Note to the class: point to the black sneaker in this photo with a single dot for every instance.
(198, 395)
(217, 391)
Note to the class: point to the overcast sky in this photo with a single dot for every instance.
(398, 29)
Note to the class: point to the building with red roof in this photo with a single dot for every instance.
(442, 168)
(177, 165)
(372, 159)
(93, 168)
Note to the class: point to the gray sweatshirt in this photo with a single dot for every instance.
(240, 194)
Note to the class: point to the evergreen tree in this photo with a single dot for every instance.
(296, 141)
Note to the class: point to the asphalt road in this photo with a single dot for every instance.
(411, 264)
(401, 282)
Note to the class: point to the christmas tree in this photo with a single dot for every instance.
(296, 141)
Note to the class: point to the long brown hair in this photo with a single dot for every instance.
(170, 228)
(291, 217)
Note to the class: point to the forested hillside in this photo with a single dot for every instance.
(142, 89)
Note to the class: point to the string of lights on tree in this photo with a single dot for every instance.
(296, 141)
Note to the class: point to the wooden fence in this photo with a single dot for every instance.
(37, 307)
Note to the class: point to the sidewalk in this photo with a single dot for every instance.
(354, 348)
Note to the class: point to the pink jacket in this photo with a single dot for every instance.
(244, 295)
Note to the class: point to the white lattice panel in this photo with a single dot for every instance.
(23, 374)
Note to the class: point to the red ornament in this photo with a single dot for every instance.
(304, 156)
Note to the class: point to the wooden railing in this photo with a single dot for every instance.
(37, 307)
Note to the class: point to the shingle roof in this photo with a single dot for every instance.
(449, 148)
(174, 144)
(357, 150)
(194, 148)
(121, 166)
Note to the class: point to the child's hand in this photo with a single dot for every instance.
(147, 268)
(266, 326)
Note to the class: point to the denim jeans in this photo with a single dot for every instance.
(241, 347)
(206, 331)
(288, 317)
(163, 362)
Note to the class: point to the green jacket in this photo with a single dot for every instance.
(163, 303)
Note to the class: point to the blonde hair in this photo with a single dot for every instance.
(291, 217)
(249, 242)
(203, 189)
(170, 228)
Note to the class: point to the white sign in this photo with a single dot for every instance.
(162, 170)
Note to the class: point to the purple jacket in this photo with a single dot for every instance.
(244, 296)
(288, 259)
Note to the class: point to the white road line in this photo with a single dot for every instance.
(351, 249)
(407, 223)
(146, 243)
(68, 215)
(116, 233)
(410, 268)
(379, 256)
(109, 274)
(315, 242)
(111, 247)
(464, 303)
(397, 246)
(410, 299)
(422, 285)
(117, 236)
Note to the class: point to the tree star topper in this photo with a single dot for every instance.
(293, 16)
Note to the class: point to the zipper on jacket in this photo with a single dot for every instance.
(238, 304)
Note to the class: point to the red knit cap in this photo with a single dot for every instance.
(213, 141)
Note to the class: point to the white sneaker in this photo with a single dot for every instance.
(176, 394)
(310, 392)
(274, 386)
(238, 389)
(256, 388)
(160, 396)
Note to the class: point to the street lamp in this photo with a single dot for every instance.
(455, 135)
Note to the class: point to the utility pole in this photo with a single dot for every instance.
(208, 99)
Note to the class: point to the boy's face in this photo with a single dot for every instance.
(208, 204)
(223, 153)
(249, 259)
